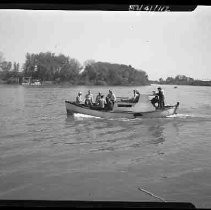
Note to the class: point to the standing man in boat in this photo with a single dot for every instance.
(160, 94)
(89, 98)
(79, 99)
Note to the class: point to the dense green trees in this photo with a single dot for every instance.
(103, 73)
(9, 72)
(60, 68)
(48, 66)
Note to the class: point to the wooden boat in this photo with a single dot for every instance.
(124, 109)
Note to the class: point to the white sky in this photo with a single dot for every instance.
(162, 44)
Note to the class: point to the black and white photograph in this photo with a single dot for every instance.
(106, 106)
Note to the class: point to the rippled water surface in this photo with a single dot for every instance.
(46, 154)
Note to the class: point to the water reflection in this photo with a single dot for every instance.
(125, 133)
(157, 131)
(176, 125)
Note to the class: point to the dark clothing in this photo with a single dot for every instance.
(161, 103)
(136, 98)
(155, 100)
(109, 103)
(98, 99)
(160, 95)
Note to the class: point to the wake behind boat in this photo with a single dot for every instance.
(123, 108)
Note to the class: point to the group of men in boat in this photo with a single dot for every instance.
(102, 102)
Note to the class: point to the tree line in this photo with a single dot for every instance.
(60, 68)
(183, 80)
(9, 72)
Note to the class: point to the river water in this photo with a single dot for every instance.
(46, 154)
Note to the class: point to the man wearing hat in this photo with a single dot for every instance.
(79, 99)
(160, 94)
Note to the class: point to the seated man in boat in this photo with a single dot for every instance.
(154, 100)
(136, 96)
(98, 98)
(111, 96)
(79, 99)
(89, 98)
(110, 100)
(102, 102)
(160, 95)
(134, 99)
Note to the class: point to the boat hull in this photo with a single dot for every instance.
(72, 108)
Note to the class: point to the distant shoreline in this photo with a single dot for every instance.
(66, 84)
(205, 85)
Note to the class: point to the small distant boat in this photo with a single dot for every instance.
(175, 86)
(25, 83)
(31, 84)
(28, 81)
(36, 82)
(122, 109)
